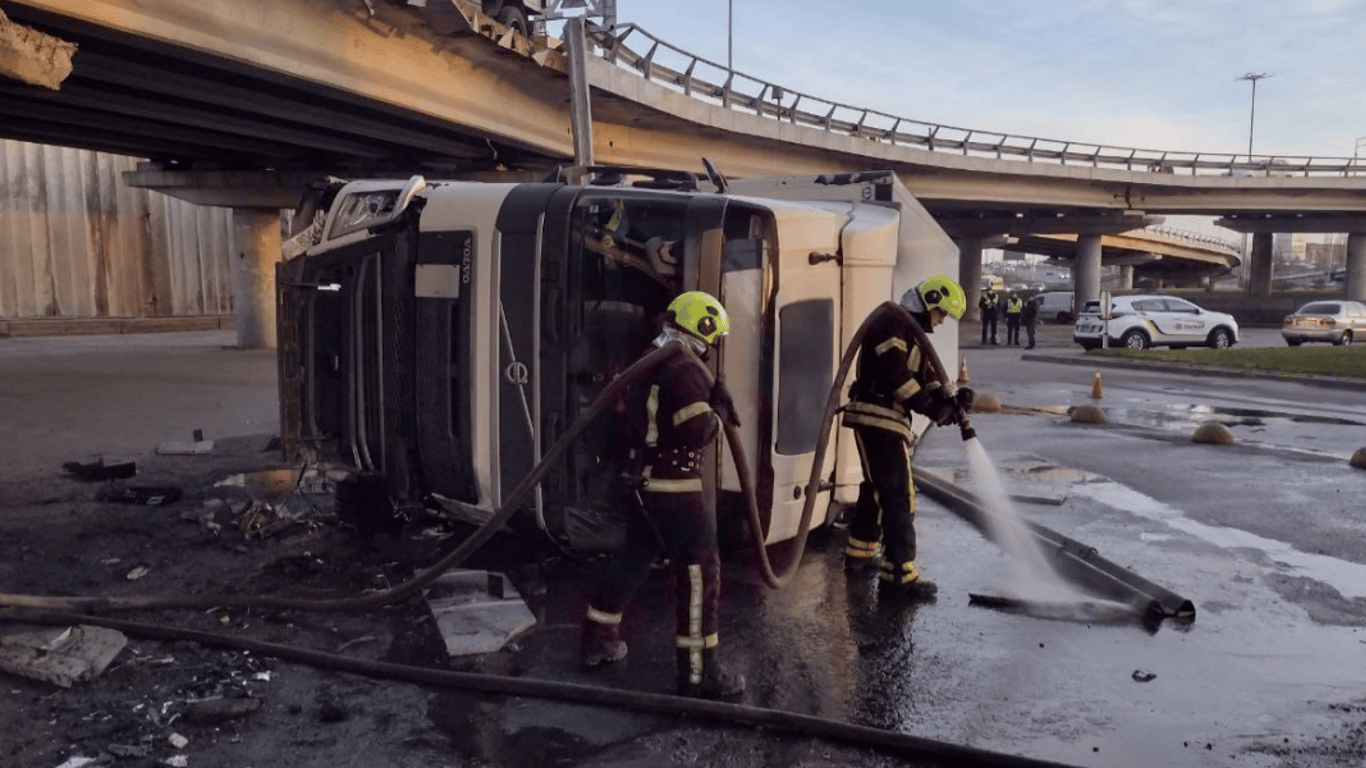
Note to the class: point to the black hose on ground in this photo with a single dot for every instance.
(900, 744)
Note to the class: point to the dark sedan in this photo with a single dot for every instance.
(1335, 322)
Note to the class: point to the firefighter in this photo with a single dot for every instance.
(680, 415)
(895, 378)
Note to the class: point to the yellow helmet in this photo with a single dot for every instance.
(943, 292)
(700, 314)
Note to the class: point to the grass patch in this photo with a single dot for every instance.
(1324, 361)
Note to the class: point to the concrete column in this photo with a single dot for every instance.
(256, 232)
(1087, 270)
(1126, 276)
(970, 273)
(1259, 271)
(1356, 266)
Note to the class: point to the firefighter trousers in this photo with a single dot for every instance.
(681, 527)
(885, 511)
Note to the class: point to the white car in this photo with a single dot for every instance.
(1146, 320)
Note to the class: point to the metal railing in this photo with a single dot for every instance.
(714, 83)
(1192, 237)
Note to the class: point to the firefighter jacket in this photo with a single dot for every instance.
(894, 378)
(678, 424)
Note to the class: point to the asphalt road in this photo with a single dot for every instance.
(1264, 536)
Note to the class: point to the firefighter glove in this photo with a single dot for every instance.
(723, 404)
(943, 409)
(964, 399)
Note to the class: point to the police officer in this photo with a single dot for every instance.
(1014, 306)
(1028, 317)
(680, 415)
(895, 378)
(990, 310)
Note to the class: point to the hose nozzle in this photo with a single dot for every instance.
(965, 429)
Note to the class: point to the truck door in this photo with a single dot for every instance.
(796, 353)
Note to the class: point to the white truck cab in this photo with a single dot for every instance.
(442, 335)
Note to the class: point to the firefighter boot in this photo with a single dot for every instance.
(709, 679)
(601, 644)
(922, 590)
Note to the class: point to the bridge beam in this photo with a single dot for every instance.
(256, 249)
(1356, 266)
(970, 272)
(1259, 268)
(1087, 272)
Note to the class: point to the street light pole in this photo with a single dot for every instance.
(730, 36)
(1252, 121)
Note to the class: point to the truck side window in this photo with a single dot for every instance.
(806, 338)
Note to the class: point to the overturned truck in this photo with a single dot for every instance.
(437, 337)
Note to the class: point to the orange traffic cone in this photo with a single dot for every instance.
(1095, 386)
(963, 371)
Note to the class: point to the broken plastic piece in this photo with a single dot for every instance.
(146, 495)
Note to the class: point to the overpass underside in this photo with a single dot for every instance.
(240, 102)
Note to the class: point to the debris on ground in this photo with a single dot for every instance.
(145, 495)
(61, 657)
(173, 448)
(99, 471)
(1144, 676)
(477, 611)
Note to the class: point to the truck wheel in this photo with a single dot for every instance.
(513, 17)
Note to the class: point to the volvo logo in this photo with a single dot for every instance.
(516, 373)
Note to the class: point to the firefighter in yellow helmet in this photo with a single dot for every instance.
(894, 379)
(679, 412)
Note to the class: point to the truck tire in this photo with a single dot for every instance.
(514, 18)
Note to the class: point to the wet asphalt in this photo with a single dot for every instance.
(1266, 537)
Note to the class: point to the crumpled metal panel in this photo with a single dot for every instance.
(75, 242)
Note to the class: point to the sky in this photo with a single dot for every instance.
(1148, 74)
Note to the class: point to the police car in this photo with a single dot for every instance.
(1146, 320)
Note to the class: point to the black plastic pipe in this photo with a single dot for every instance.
(1079, 563)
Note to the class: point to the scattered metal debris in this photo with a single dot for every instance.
(1144, 676)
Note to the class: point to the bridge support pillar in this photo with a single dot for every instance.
(1087, 269)
(1259, 267)
(970, 272)
(1126, 276)
(256, 249)
(1356, 266)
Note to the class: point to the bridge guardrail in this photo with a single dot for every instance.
(736, 90)
(1199, 238)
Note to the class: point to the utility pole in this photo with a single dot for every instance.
(1252, 121)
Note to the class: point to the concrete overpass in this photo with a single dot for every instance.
(240, 102)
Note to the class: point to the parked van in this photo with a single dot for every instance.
(1056, 306)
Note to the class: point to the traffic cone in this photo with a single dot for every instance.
(1095, 386)
(963, 371)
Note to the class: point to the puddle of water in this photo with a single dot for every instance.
(1349, 579)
